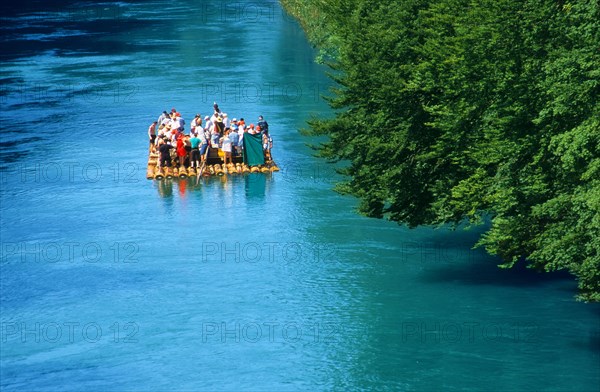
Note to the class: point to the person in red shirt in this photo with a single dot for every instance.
(181, 151)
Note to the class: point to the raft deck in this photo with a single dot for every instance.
(214, 167)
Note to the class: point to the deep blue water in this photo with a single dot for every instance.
(261, 282)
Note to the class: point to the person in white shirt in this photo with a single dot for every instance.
(226, 120)
(162, 117)
(168, 132)
(181, 122)
(215, 118)
(226, 147)
(166, 121)
(196, 122)
(174, 123)
(241, 130)
(177, 122)
(208, 124)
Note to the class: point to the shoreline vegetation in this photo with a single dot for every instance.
(456, 111)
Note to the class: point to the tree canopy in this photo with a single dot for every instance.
(457, 110)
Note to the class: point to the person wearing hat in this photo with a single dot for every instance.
(215, 136)
(207, 124)
(218, 126)
(225, 121)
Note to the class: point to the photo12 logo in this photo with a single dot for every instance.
(269, 332)
(43, 93)
(67, 332)
(446, 332)
(426, 253)
(69, 252)
(319, 173)
(71, 173)
(254, 252)
(267, 92)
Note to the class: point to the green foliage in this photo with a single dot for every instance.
(449, 110)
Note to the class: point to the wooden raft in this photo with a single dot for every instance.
(214, 167)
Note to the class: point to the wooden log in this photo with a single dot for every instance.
(182, 172)
(231, 168)
(153, 172)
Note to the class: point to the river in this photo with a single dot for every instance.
(269, 282)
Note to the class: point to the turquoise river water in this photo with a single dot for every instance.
(112, 282)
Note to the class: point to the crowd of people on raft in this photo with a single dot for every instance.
(216, 131)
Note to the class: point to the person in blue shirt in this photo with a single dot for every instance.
(195, 153)
(235, 139)
(264, 126)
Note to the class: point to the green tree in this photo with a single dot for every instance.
(456, 109)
